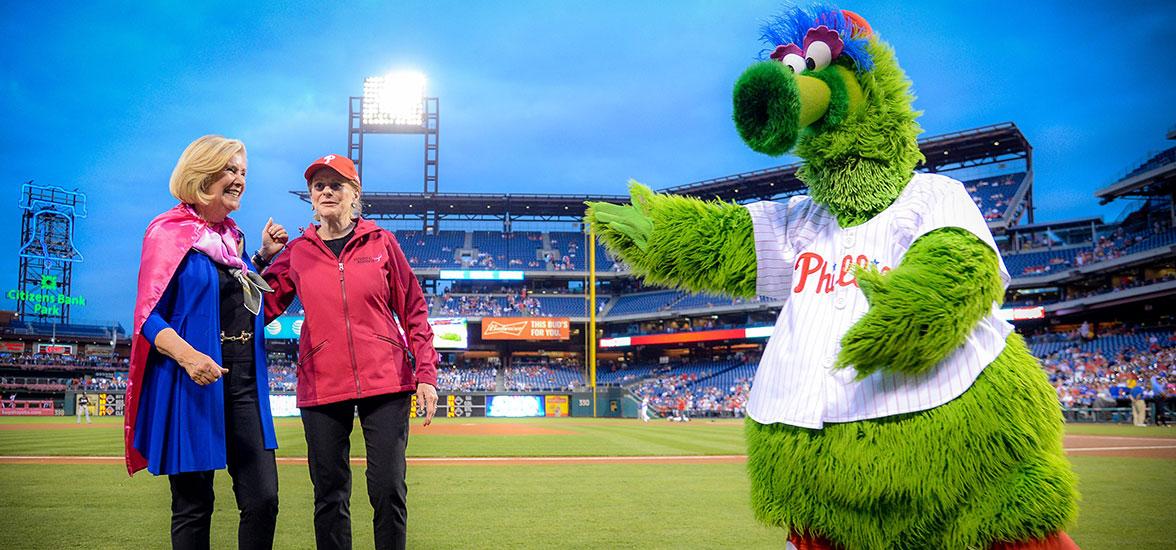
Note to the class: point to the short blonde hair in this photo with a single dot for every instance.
(199, 165)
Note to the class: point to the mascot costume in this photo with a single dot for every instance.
(891, 408)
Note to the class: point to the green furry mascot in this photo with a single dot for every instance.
(892, 408)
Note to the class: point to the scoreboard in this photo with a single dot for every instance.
(453, 406)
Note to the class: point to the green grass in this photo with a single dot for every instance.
(1126, 501)
(583, 437)
(1121, 430)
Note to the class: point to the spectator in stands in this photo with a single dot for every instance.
(198, 398)
(352, 277)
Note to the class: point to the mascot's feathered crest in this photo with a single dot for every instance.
(794, 32)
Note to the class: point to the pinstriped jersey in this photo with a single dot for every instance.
(804, 258)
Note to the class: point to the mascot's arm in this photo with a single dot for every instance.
(924, 309)
(679, 241)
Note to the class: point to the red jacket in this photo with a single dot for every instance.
(350, 346)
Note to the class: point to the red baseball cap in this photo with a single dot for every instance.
(338, 163)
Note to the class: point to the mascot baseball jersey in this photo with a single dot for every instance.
(805, 258)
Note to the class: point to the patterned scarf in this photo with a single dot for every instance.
(218, 241)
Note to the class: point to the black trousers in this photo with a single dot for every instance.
(251, 465)
(384, 419)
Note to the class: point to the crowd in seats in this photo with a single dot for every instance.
(702, 387)
(466, 378)
(673, 300)
(431, 251)
(283, 370)
(992, 195)
(543, 375)
(1101, 372)
(1116, 244)
(512, 304)
(476, 305)
(87, 383)
(51, 362)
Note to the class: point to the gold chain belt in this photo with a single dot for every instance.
(244, 337)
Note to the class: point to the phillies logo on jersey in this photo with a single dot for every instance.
(827, 277)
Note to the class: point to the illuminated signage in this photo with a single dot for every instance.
(57, 349)
(1021, 313)
(684, 337)
(466, 275)
(286, 327)
(525, 328)
(515, 406)
(450, 332)
(46, 303)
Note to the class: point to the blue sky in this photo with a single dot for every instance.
(543, 97)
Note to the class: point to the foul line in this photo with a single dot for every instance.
(423, 460)
(509, 460)
(1080, 449)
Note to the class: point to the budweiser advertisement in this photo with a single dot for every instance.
(525, 328)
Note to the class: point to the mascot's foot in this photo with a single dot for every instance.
(1057, 541)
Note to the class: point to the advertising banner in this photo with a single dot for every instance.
(525, 328)
(514, 406)
(12, 347)
(557, 405)
(450, 332)
(286, 327)
(57, 349)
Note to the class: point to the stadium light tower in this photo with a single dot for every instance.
(395, 104)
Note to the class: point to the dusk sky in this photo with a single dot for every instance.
(535, 97)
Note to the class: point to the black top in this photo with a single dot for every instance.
(336, 245)
(234, 317)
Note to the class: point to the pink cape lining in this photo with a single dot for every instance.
(168, 238)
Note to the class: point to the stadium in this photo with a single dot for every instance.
(549, 345)
(511, 314)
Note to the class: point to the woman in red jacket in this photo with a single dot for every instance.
(354, 283)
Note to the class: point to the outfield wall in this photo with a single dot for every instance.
(610, 402)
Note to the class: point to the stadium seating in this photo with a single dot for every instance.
(1167, 156)
(542, 376)
(993, 195)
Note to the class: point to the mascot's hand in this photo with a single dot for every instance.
(859, 345)
(630, 222)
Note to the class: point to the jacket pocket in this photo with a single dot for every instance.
(305, 358)
(407, 353)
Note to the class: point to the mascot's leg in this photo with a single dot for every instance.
(983, 468)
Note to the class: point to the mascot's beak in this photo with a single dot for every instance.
(773, 105)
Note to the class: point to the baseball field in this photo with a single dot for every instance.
(534, 483)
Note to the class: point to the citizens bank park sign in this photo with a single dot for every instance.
(46, 303)
(525, 328)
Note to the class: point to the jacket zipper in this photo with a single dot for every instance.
(347, 322)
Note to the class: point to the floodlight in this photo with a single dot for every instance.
(397, 99)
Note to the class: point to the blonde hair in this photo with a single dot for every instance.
(199, 165)
(357, 206)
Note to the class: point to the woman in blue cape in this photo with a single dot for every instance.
(198, 398)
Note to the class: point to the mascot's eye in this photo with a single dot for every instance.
(794, 61)
(818, 55)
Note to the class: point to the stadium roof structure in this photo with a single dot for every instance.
(969, 148)
(1154, 177)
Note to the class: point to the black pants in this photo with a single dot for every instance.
(384, 419)
(251, 465)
